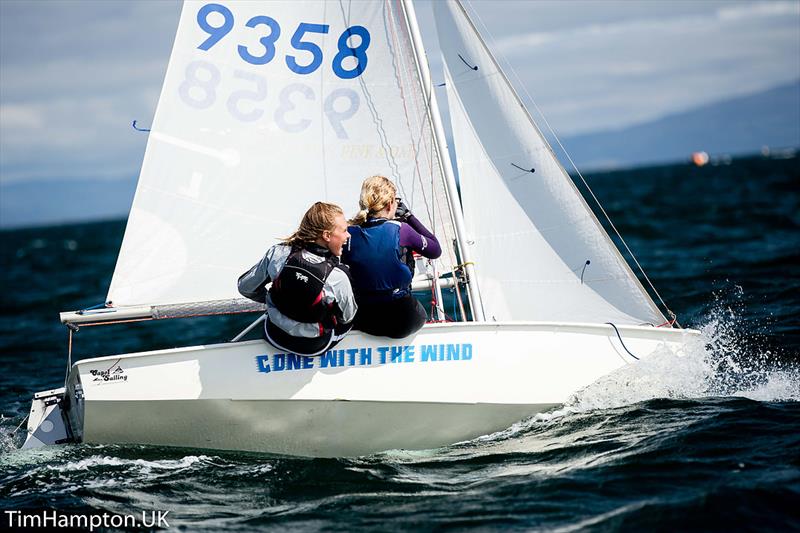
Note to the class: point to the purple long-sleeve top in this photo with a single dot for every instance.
(416, 237)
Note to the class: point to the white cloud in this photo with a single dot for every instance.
(615, 73)
(761, 9)
(16, 117)
(74, 74)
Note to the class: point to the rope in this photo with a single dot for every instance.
(620, 340)
(20, 424)
(583, 180)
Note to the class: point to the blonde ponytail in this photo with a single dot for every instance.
(360, 218)
(377, 192)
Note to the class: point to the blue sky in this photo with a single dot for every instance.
(74, 74)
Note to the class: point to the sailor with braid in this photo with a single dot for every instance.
(310, 305)
(383, 236)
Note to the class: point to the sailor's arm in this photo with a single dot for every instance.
(342, 290)
(252, 284)
(415, 236)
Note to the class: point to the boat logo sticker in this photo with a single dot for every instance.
(113, 374)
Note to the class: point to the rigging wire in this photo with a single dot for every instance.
(405, 76)
(434, 209)
(580, 175)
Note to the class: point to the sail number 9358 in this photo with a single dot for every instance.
(272, 31)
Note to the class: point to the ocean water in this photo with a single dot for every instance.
(709, 441)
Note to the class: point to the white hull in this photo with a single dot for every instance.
(449, 383)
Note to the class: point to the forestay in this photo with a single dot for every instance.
(564, 268)
(266, 108)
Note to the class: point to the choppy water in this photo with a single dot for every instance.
(707, 441)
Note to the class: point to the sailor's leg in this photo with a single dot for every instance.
(297, 345)
(396, 319)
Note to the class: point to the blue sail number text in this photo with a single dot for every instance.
(270, 30)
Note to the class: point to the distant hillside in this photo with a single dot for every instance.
(737, 126)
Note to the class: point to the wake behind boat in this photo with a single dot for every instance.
(267, 107)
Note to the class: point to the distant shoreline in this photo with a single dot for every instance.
(70, 202)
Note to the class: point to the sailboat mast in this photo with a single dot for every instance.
(444, 159)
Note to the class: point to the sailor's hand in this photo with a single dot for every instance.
(403, 212)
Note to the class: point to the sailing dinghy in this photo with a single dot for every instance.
(270, 106)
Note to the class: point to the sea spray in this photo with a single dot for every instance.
(743, 361)
(727, 360)
(7, 432)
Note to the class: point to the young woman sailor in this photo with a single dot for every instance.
(310, 305)
(380, 258)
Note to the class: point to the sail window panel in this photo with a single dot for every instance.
(492, 130)
(238, 149)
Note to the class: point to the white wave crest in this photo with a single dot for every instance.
(140, 465)
(726, 361)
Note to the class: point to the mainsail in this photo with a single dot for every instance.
(520, 203)
(266, 108)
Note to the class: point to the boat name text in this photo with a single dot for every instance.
(380, 355)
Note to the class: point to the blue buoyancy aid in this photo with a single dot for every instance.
(377, 261)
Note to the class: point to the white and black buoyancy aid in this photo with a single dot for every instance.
(298, 290)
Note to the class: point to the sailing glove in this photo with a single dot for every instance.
(402, 213)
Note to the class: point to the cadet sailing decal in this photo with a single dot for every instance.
(113, 374)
